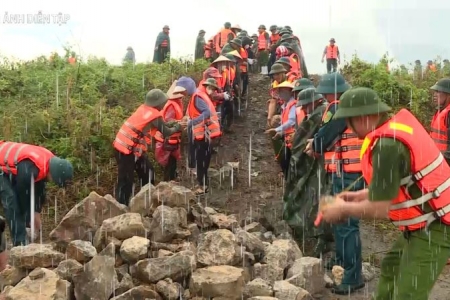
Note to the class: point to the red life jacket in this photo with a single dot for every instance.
(299, 114)
(430, 172)
(288, 133)
(345, 152)
(13, 153)
(175, 138)
(262, 41)
(439, 129)
(332, 52)
(294, 61)
(131, 137)
(206, 129)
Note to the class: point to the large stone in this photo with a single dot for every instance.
(286, 291)
(68, 268)
(218, 281)
(142, 202)
(168, 224)
(307, 273)
(278, 256)
(83, 220)
(168, 289)
(176, 267)
(35, 255)
(11, 276)
(173, 195)
(121, 227)
(43, 283)
(223, 221)
(81, 251)
(258, 287)
(96, 280)
(139, 293)
(134, 249)
(268, 273)
(218, 247)
(251, 242)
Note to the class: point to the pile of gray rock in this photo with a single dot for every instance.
(165, 245)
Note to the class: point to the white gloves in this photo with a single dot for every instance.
(226, 96)
(250, 61)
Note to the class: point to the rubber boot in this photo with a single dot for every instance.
(348, 250)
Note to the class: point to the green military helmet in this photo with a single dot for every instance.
(273, 27)
(227, 25)
(283, 60)
(332, 83)
(308, 96)
(236, 41)
(302, 84)
(155, 98)
(279, 28)
(442, 85)
(360, 101)
(262, 27)
(211, 82)
(286, 37)
(243, 32)
(61, 171)
(231, 57)
(288, 27)
(283, 31)
(254, 36)
(277, 68)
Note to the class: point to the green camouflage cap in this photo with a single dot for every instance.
(273, 27)
(155, 98)
(442, 85)
(211, 82)
(262, 27)
(332, 83)
(236, 41)
(307, 96)
(227, 25)
(302, 84)
(277, 68)
(61, 170)
(360, 101)
(283, 31)
(286, 36)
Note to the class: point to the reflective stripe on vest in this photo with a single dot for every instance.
(13, 153)
(284, 119)
(130, 137)
(430, 172)
(175, 138)
(332, 52)
(439, 129)
(206, 129)
(262, 41)
(165, 43)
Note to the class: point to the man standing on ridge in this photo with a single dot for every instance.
(263, 46)
(162, 46)
(340, 147)
(224, 36)
(133, 140)
(20, 164)
(408, 184)
(331, 52)
(200, 45)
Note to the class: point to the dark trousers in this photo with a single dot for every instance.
(200, 158)
(244, 77)
(127, 164)
(272, 59)
(226, 114)
(284, 163)
(331, 65)
(170, 170)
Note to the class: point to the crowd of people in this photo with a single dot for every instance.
(330, 139)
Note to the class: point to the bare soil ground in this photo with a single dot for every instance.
(251, 198)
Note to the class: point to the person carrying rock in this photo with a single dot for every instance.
(22, 166)
(203, 128)
(340, 147)
(133, 140)
(408, 184)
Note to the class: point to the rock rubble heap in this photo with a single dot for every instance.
(165, 245)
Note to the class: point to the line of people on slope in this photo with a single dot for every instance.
(395, 171)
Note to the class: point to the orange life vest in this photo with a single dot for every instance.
(131, 138)
(222, 82)
(288, 133)
(274, 38)
(207, 129)
(72, 60)
(244, 55)
(344, 152)
(216, 42)
(223, 38)
(13, 153)
(262, 42)
(175, 138)
(430, 172)
(332, 52)
(439, 128)
(432, 68)
(292, 76)
(299, 114)
(294, 61)
(232, 74)
(208, 49)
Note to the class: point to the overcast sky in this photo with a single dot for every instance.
(408, 29)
